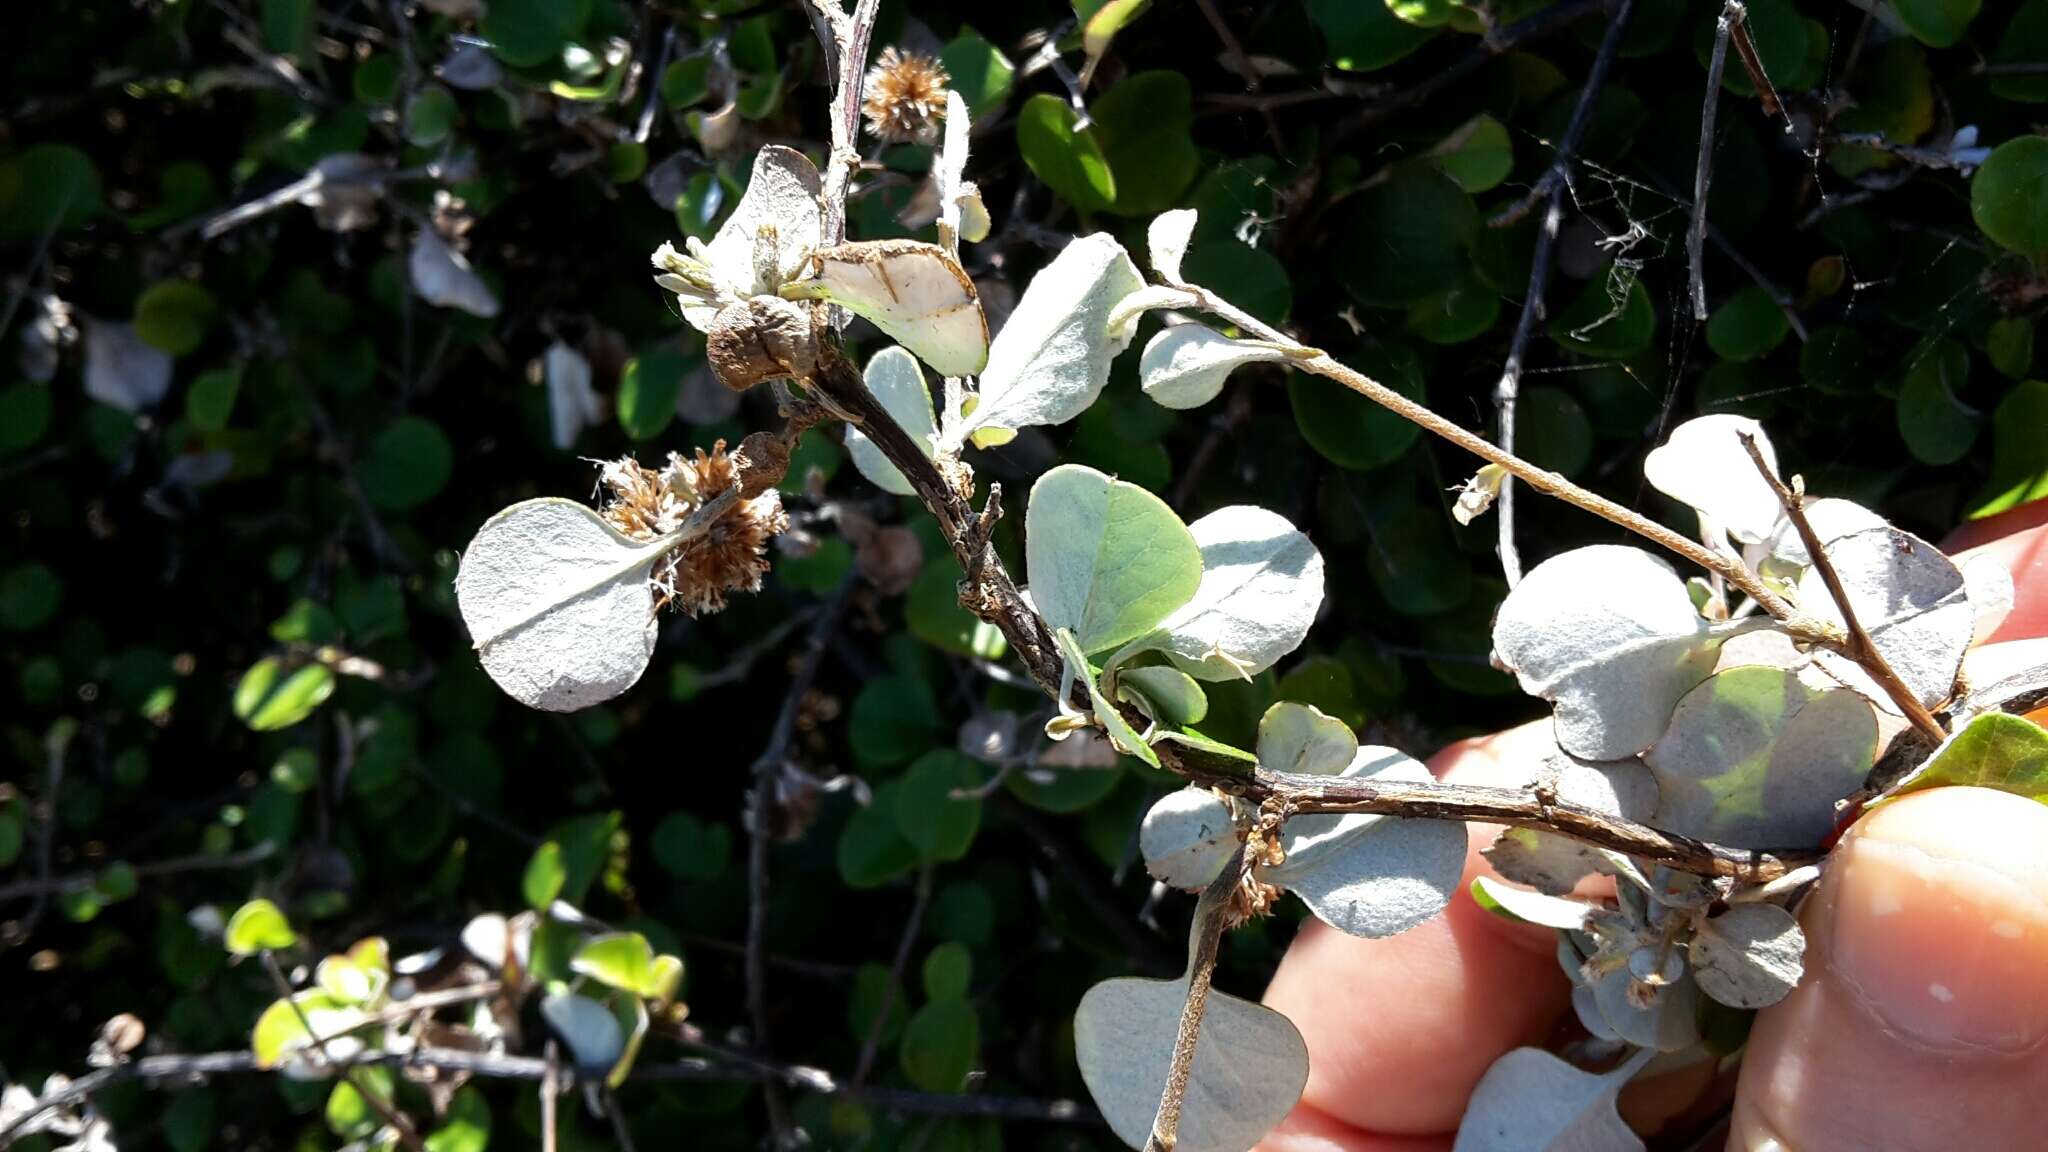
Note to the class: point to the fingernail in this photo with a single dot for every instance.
(1938, 919)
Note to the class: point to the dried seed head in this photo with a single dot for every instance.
(731, 555)
(906, 97)
(761, 338)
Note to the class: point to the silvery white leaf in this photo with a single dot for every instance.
(1187, 838)
(589, 1030)
(774, 227)
(442, 277)
(1150, 298)
(558, 603)
(1669, 1021)
(1249, 1067)
(1166, 241)
(1531, 907)
(1186, 365)
(1549, 863)
(120, 370)
(916, 293)
(1608, 634)
(1830, 517)
(1052, 357)
(1532, 1101)
(1910, 598)
(1370, 875)
(896, 380)
(1988, 583)
(572, 402)
(1297, 737)
(1262, 584)
(1704, 465)
(1749, 956)
(1755, 758)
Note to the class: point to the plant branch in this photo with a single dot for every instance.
(178, 1069)
(766, 771)
(872, 1042)
(1859, 647)
(385, 1109)
(1555, 177)
(1205, 938)
(1732, 14)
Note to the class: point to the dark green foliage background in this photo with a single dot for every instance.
(351, 441)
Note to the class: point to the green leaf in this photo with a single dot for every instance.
(2019, 453)
(621, 960)
(544, 876)
(528, 33)
(1456, 315)
(25, 411)
(349, 1115)
(29, 595)
(872, 849)
(2025, 42)
(1995, 750)
(2010, 346)
(939, 825)
(1107, 559)
(1164, 692)
(407, 464)
(211, 399)
(1607, 321)
(1936, 23)
(1403, 239)
(894, 720)
(1070, 163)
(52, 186)
(1553, 431)
(288, 26)
(940, 1045)
(11, 834)
(467, 1126)
(948, 969)
(1937, 426)
(2009, 194)
(1143, 125)
(258, 926)
(871, 985)
(269, 698)
(188, 1121)
(980, 73)
(689, 849)
(173, 315)
(1361, 36)
(431, 116)
(1478, 155)
(1747, 325)
(648, 389)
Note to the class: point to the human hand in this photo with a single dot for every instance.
(1920, 1022)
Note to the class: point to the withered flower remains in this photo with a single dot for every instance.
(906, 97)
(731, 555)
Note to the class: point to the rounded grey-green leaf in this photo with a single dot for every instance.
(1369, 875)
(1755, 758)
(1107, 559)
(1750, 956)
(1249, 1068)
(896, 380)
(1185, 366)
(1532, 1101)
(558, 604)
(1296, 737)
(1262, 584)
(1912, 600)
(1187, 838)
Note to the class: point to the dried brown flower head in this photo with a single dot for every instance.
(906, 97)
(731, 555)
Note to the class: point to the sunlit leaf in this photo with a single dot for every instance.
(1185, 366)
(1107, 559)
(1704, 464)
(587, 1028)
(1749, 956)
(1609, 635)
(916, 293)
(1755, 758)
(558, 604)
(772, 231)
(258, 926)
(1299, 738)
(1052, 357)
(1995, 750)
(1912, 600)
(1371, 875)
(1187, 838)
(1532, 1101)
(896, 380)
(1530, 907)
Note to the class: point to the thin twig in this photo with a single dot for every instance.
(1509, 390)
(550, 1094)
(1860, 648)
(620, 1133)
(846, 42)
(1242, 62)
(179, 1070)
(1766, 92)
(872, 1042)
(1205, 937)
(198, 862)
(1556, 176)
(766, 769)
(55, 745)
(1732, 13)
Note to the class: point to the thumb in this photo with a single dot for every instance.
(1921, 1021)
